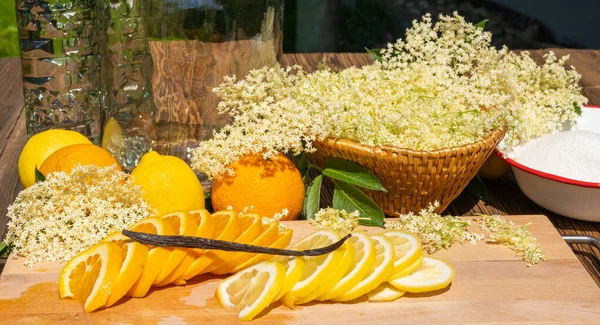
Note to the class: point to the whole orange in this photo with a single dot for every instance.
(66, 158)
(268, 185)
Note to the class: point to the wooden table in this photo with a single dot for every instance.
(505, 196)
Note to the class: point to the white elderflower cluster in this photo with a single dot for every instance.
(56, 219)
(276, 218)
(436, 232)
(339, 221)
(517, 238)
(444, 85)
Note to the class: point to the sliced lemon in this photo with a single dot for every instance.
(409, 269)
(407, 249)
(318, 268)
(432, 275)
(334, 277)
(135, 256)
(379, 273)
(90, 276)
(251, 290)
(282, 241)
(227, 227)
(156, 255)
(185, 226)
(206, 229)
(265, 239)
(385, 292)
(252, 227)
(364, 258)
(294, 267)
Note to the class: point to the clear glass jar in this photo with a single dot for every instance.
(61, 76)
(162, 58)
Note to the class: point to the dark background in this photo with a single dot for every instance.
(350, 25)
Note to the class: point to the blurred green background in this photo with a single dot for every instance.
(9, 45)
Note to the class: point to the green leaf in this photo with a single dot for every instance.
(375, 54)
(482, 23)
(348, 197)
(477, 187)
(303, 164)
(39, 177)
(349, 172)
(4, 250)
(577, 109)
(312, 200)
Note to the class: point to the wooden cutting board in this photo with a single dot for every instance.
(492, 286)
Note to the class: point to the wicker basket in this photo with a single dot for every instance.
(413, 179)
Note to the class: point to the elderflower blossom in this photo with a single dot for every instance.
(517, 238)
(56, 219)
(436, 232)
(339, 221)
(444, 85)
(276, 218)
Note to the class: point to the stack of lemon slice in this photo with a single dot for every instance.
(118, 267)
(381, 267)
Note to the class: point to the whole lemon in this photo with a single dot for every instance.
(169, 184)
(64, 159)
(42, 145)
(268, 185)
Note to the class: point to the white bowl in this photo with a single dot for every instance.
(565, 196)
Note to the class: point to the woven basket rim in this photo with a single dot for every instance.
(495, 133)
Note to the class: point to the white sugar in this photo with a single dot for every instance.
(571, 154)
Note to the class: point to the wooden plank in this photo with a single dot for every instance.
(492, 286)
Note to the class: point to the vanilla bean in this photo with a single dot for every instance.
(206, 243)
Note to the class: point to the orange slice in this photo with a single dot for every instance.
(252, 227)
(90, 276)
(228, 228)
(156, 255)
(206, 229)
(265, 239)
(135, 256)
(282, 241)
(186, 226)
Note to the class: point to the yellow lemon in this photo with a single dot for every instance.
(169, 184)
(432, 275)
(41, 146)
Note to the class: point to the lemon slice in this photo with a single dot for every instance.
(135, 256)
(251, 290)
(185, 226)
(156, 255)
(432, 275)
(265, 239)
(385, 292)
(206, 229)
(335, 276)
(318, 268)
(379, 273)
(364, 258)
(282, 240)
(90, 276)
(294, 267)
(409, 269)
(227, 228)
(252, 227)
(407, 249)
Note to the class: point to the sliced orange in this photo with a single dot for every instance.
(228, 228)
(90, 276)
(282, 241)
(186, 226)
(135, 256)
(206, 229)
(156, 255)
(251, 226)
(265, 239)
